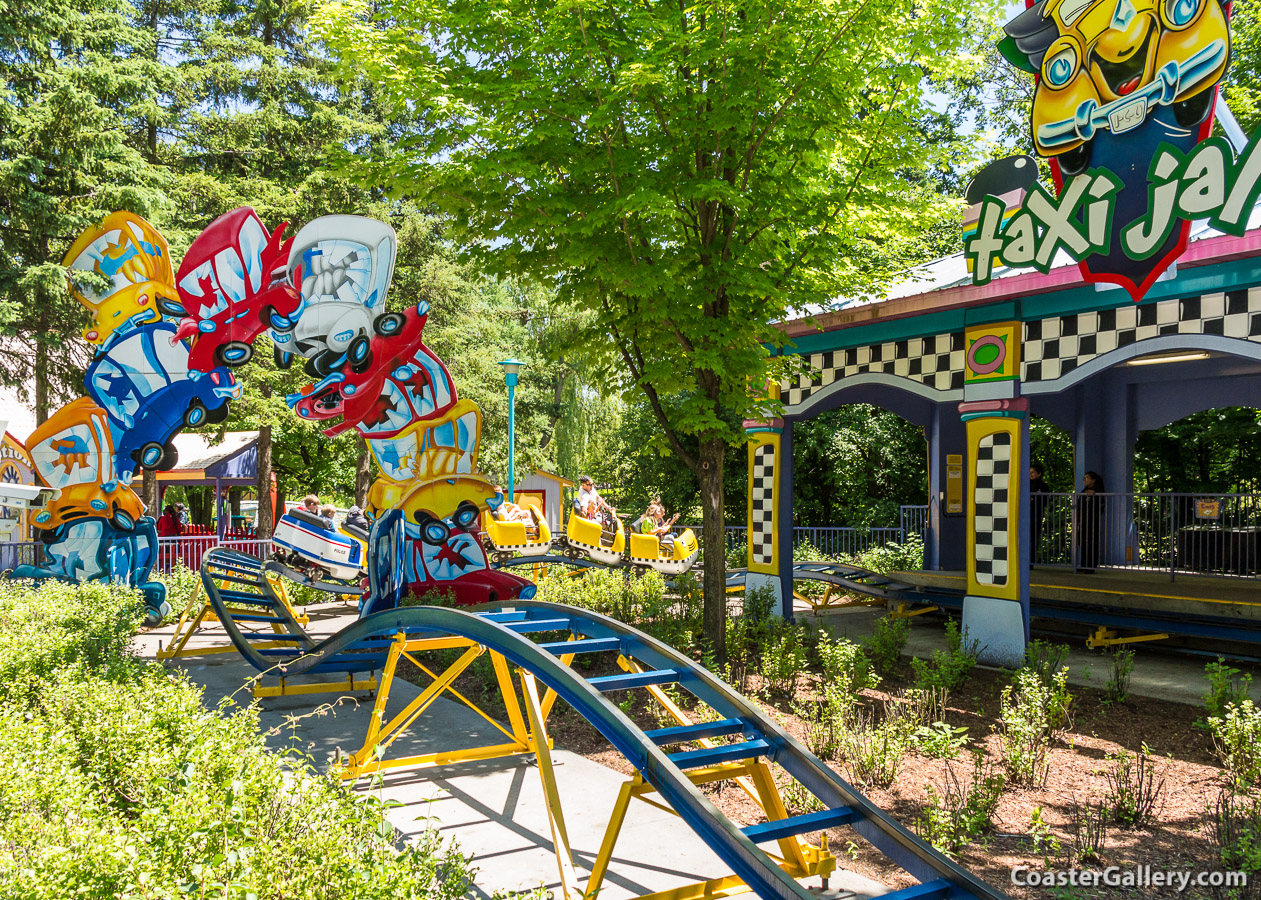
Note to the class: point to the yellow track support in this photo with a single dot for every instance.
(285, 689)
(1107, 637)
(189, 624)
(903, 611)
(370, 758)
(833, 593)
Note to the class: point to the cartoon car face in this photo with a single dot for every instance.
(136, 259)
(143, 383)
(406, 383)
(342, 265)
(1109, 64)
(73, 451)
(234, 284)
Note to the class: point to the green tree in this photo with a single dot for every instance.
(689, 174)
(74, 84)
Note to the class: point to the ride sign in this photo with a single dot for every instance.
(1124, 103)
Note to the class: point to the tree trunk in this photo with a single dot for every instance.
(264, 483)
(42, 402)
(149, 492)
(363, 472)
(714, 547)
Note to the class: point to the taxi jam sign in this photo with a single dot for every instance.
(1125, 96)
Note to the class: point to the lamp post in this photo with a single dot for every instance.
(511, 368)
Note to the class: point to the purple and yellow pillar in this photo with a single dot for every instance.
(996, 418)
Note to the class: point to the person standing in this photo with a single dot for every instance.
(168, 523)
(1037, 510)
(1090, 512)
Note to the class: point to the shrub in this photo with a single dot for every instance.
(1236, 837)
(959, 813)
(1089, 825)
(182, 584)
(121, 784)
(60, 626)
(1031, 713)
(939, 740)
(887, 642)
(784, 657)
(1117, 690)
(1237, 739)
(1043, 838)
(904, 557)
(874, 751)
(1133, 791)
(1045, 658)
(844, 664)
(948, 669)
(1226, 686)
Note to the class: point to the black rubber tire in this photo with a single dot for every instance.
(172, 308)
(389, 323)
(282, 359)
(218, 414)
(425, 520)
(240, 351)
(196, 415)
(142, 455)
(119, 521)
(170, 458)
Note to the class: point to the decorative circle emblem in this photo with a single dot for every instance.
(987, 355)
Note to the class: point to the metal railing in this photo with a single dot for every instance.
(171, 551)
(838, 540)
(1213, 534)
(18, 553)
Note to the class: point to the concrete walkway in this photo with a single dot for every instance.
(493, 809)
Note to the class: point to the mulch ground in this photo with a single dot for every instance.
(1180, 837)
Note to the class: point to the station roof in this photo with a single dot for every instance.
(234, 460)
(945, 283)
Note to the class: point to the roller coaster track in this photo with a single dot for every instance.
(503, 628)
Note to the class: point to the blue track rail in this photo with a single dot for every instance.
(504, 628)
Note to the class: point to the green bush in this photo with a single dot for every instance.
(1227, 686)
(62, 625)
(1236, 837)
(887, 642)
(947, 669)
(844, 664)
(1031, 713)
(784, 657)
(1117, 688)
(121, 784)
(959, 813)
(1237, 738)
(1045, 658)
(904, 557)
(640, 601)
(874, 751)
(181, 584)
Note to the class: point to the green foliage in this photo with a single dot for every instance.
(961, 812)
(1227, 687)
(907, 556)
(1236, 835)
(845, 665)
(639, 601)
(1031, 712)
(939, 740)
(122, 784)
(1133, 791)
(886, 643)
(865, 462)
(1088, 823)
(1121, 666)
(948, 669)
(181, 586)
(784, 657)
(1043, 839)
(873, 749)
(1045, 659)
(1206, 451)
(61, 625)
(1237, 740)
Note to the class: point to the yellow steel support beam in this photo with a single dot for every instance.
(285, 689)
(381, 734)
(1106, 637)
(904, 611)
(189, 624)
(555, 814)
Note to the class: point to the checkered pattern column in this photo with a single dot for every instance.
(990, 518)
(764, 473)
(935, 361)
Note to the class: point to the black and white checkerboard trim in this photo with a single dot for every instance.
(933, 361)
(762, 494)
(990, 508)
(1055, 347)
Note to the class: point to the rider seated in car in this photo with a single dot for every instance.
(327, 513)
(589, 502)
(356, 519)
(655, 523)
(511, 512)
